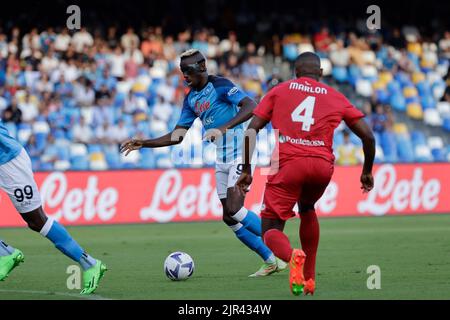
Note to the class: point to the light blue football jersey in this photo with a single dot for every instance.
(215, 105)
(9, 147)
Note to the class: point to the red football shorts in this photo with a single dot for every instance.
(302, 179)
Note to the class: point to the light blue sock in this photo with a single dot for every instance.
(253, 242)
(5, 249)
(62, 240)
(249, 220)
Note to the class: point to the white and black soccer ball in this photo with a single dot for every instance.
(179, 266)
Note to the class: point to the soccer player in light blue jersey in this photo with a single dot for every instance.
(17, 180)
(223, 109)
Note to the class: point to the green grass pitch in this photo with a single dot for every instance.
(413, 253)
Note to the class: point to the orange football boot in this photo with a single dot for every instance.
(296, 278)
(310, 286)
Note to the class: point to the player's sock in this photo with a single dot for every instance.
(62, 240)
(309, 238)
(253, 242)
(249, 219)
(5, 249)
(279, 243)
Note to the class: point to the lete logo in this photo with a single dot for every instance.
(71, 204)
(400, 195)
(170, 198)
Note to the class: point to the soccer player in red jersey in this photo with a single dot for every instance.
(305, 112)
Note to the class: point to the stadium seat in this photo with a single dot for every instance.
(364, 88)
(427, 101)
(444, 108)
(62, 165)
(432, 117)
(394, 87)
(405, 149)
(418, 138)
(79, 163)
(340, 74)
(147, 159)
(439, 155)
(414, 111)
(435, 142)
(385, 77)
(410, 92)
(398, 102)
(388, 143)
(423, 153)
(97, 161)
(400, 128)
(446, 124)
(417, 77)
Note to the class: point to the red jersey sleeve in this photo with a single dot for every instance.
(351, 114)
(264, 109)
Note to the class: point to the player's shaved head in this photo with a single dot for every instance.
(307, 64)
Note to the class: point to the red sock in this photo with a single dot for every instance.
(309, 237)
(279, 243)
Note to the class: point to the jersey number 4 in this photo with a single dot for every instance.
(306, 107)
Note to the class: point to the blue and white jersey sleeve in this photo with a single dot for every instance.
(187, 114)
(227, 91)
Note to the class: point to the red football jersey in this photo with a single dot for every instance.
(306, 113)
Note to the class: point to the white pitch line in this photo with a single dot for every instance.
(63, 294)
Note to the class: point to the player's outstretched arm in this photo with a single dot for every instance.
(363, 131)
(175, 137)
(248, 147)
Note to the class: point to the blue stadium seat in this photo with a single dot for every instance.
(79, 163)
(446, 124)
(94, 148)
(439, 155)
(418, 138)
(388, 144)
(398, 102)
(340, 74)
(405, 149)
(112, 158)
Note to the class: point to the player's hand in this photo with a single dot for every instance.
(131, 145)
(213, 134)
(244, 182)
(366, 182)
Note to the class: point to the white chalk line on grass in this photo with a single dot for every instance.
(51, 293)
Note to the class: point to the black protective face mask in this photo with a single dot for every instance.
(192, 68)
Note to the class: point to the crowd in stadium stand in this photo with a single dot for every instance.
(72, 98)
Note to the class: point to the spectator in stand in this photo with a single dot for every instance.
(117, 63)
(12, 113)
(29, 107)
(347, 152)
(339, 55)
(34, 151)
(84, 93)
(81, 39)
(129, 40)
(62, 41)
(82, 132)
(379, 119)
(322, 40)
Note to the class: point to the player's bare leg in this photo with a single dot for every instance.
(247, 227)
(309, 238)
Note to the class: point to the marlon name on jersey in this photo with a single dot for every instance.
(307, 88)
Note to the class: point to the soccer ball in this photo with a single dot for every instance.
(179, 266)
